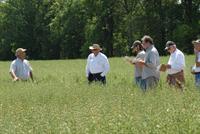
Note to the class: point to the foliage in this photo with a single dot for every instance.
(58, 29)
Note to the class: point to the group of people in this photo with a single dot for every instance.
(148, 67)
(146, 64)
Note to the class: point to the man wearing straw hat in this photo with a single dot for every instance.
(20, 69)
(175, 65)
(97, 65)
(196, 67)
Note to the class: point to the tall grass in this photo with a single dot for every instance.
(61, 101)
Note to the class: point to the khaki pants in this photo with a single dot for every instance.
(176, 80)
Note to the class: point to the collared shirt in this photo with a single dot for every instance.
(152, 61)
(177, 62)
(97, 64)
(138, 70)
(21, 68)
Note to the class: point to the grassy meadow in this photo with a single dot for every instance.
(61, 102)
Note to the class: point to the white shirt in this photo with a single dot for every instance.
(21, 68)
(177, 62)
(97, 64)
(195, 68)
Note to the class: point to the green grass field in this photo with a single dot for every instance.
(62, 102)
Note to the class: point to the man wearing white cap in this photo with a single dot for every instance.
(97, 65)
(175, 65)
(20, 69)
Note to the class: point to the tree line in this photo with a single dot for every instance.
(59, 29)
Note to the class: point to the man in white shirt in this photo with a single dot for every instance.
(196, 67)
(97, 65)
(20, 69)
(175, 65)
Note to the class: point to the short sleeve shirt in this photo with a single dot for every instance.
(138, 70)
(152, 60)
(21, 68)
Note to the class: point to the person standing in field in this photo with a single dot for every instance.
(175, 65)
(97, 65)
(196, 67)
(150, 74)
(20, 69)
(138, 49)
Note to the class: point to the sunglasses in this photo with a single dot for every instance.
(94, 49)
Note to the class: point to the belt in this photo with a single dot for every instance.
(176, 73)
(96, 73)
(196, 72)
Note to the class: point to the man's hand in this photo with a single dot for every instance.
(192, 72)
(168, 66)
(16, 79)
(102, 75)
(140, 63)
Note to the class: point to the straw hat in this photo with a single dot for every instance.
(95, 46)
(196, 42)
(19, 51)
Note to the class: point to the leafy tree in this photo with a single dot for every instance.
(54, 29)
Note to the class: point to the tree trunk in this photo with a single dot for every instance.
(187, 4)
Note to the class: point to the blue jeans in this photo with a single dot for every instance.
(197, 80)
(149, 83)
(138, 81)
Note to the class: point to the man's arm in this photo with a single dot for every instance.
(12, 72)
(106, 67)
(150, 62)
(14, 77)
(197, 64)
(197, 60)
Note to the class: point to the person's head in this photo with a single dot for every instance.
(95, 48)
(147, 41)
(196, 44)
(137, 46)
(20, 53)
(170, 46)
